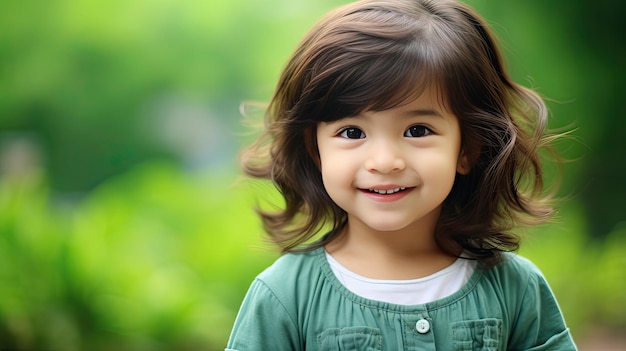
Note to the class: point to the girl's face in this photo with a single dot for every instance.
(391, 170)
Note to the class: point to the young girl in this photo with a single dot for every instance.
(396, 131)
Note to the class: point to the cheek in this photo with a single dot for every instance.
(338, 174)
(439, 168)
(331, 158)
(334, 169)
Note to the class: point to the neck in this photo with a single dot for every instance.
(405, 242)
(408, 253)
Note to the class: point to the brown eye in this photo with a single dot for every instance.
(417, 131)
(352, 133)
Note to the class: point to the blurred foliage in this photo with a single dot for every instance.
(121, 223)
(148, 261)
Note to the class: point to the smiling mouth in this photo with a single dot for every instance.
(387, 191)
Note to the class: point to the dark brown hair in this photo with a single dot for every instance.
(373, 55)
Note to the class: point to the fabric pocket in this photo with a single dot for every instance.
(477, 335)
(350, 338)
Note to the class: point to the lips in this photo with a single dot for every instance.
(387, 191)
(386, 194)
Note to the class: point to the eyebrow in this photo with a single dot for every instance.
(411, 113)
(423, 112)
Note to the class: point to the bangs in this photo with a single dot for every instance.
(373, 67)
(377, 84)
(374, 59)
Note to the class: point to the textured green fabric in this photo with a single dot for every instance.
(298, 304)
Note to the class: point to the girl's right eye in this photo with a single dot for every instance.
(352, 133)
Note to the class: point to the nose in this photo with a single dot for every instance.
(385, 157)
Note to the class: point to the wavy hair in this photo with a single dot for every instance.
(373, 55)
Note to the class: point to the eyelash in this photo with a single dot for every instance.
(424, 131)
(345, 132)
(421, 130)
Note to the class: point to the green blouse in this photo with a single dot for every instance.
(298, 304)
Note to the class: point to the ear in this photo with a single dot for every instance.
(463, 164)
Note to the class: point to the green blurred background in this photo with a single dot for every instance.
(124, 223)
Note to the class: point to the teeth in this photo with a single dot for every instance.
(386, 192)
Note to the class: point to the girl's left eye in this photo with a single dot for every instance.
(417, 131)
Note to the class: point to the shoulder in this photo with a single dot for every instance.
(535, 310)
(293, 272)
(513, 278)
(521, 284)
(273, 303)
(515, 268)
(291, 266)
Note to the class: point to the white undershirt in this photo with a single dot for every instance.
(406, 292)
